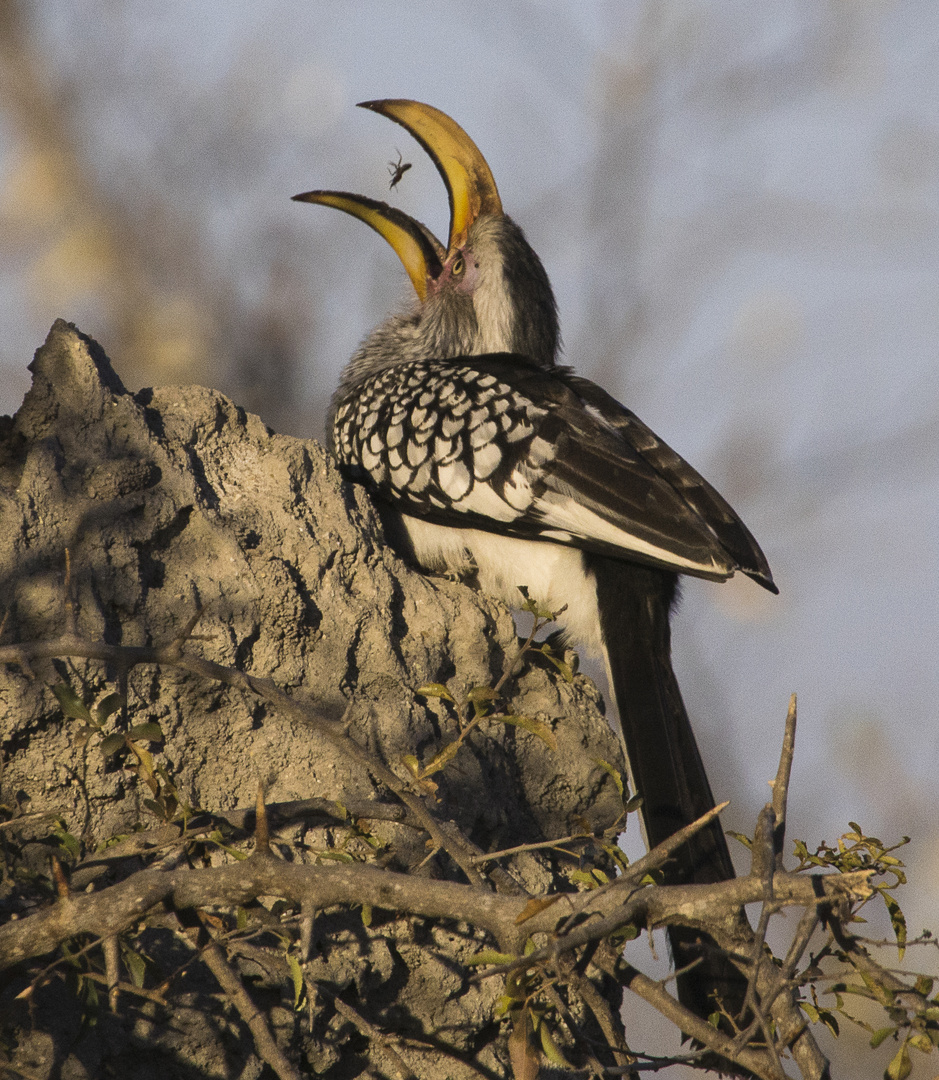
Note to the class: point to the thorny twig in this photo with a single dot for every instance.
(591, 916)
(369, 1030)
(213, 956)
(467, 727)
(766, 858)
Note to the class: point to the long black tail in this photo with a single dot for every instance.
(664, 762)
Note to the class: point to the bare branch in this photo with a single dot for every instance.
(266, 1045)
(370, 1031)
(713, 1039)
(110, 910)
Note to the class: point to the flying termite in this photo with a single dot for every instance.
(397, 169)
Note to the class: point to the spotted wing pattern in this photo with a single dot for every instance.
(446, 437)
(494, 442)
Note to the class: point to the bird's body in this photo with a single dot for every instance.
(500, 465)
(482, 455)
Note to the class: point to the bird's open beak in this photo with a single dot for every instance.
(415, 245)
(471, 189)
(470, 185)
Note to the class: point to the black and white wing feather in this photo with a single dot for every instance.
(496, 443)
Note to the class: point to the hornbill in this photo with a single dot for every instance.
(499, 464)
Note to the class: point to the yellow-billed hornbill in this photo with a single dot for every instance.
(503, 466)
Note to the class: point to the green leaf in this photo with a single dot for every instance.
(878, 992)
(482, 693)
(617, 855)
(334, 856)
(551, 1049)
(241, 919)
(714, 1019)
(534, 608)
(440, 759)
(71, 958)
(145, 758)
(830, 1021)
(296, 973)
(898, 921)
(117, 838)
(742, 837)
(565, 669)
(112, 744)
(434, 689)
(71, 704)
(412, 765)
(901, 1066)
(490, 956)
(503, 1005)
(67, 842)
(214, 837)
(136, 966)
(111, 704)
(633, 805)
(922, 1042)
(615, 775)
(536, 727)
(591, 878)
(148, 732)
(848, 988)
(366, 915)
(89, 993)
(480, 697)
(878, 1037)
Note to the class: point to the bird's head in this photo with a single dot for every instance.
(486, 291)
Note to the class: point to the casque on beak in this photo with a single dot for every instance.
(470, 187)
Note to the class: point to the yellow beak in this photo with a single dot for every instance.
(415, 245)
(471, 189)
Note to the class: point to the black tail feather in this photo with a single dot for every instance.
(664, 762)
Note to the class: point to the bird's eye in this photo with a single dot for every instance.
(458, 267)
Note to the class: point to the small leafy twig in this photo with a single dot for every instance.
(479, 697)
